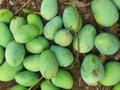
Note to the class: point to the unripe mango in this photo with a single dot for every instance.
(117, 86)
(117, 3)
(2, 55)
(18, 87)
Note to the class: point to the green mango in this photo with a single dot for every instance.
(16, 23)
(48, 64)
(71, 18)
(47, 85)
(117, 86)
(26, 78)
(5, 35)
(31, 63)
(37, 45)
(92, 70)
(2, 55)
(52, 27)
(14, 53)
(8, 72)
(49, 9)
(84, 41)
(105, 12)
(107, 43)
(18, 87)
(117, 3)
(63, 79)
(26, 33)
(64, 56)
(63, 37)
(36, 21)
(6, 15)
(112, 73)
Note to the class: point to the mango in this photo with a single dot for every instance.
(71, 18)
(36, 21)
(84, 41)
(117, 86)
(107, 43)
(26, 78)
(18, 87)
(16, 23)
(14, 53)
(47, 85)
(48, 64)
(63, 37)
(37, 45)
(117, 3)
(31, 63)
(5, 35)
(2, 55)
(26, 33)
(112, 73)
(63, 79)
(52, 27)
(6, 15)
(105, 12)
(64, 56)
(49, 9)
(92, 70)
(8, 72)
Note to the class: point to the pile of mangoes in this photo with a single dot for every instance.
(29, 46)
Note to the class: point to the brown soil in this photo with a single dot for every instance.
(84, 9)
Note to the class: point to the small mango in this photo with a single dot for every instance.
(117, 3)
(2, 55)
(117, 86)
(18, 87)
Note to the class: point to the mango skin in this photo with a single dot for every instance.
(49, 9)
(16, 23)
(65, 77)
(26, 33)
(31, 62)
(26, 78)
(84, 41)
(92, 70)
(6, 15)
(60, 52)
(52, 27)
(36, 21)
(5, 35)
(117, 3)
(2, 55)
(111, 67)
(117, 86)
(18, 87)
(47, 85)
(63, 37)
(48, 64)
(107, 43)
(8, 72)
(14, 53)
(37, 45)
(105, 12)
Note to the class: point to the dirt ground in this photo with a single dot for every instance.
(84, 9)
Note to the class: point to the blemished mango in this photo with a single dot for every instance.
(52, 27)
(2, 55)
(37, 45)
(18, 87)
(16, 23)
(8, 72)
(26, 33)
(107, 43)
(36, 21)
(92, 70)
(63, 79)
(64, 56)
(48, 64)
(112, 73)
(26, 78)
(71, 18)
(84, 41)
(117, 3)
(105, 12)
(6, 15)
(49, 9)
(47, 85)
(5, 35)
(31, 63)
(117, 86)
(63, 37)
(14, 53)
